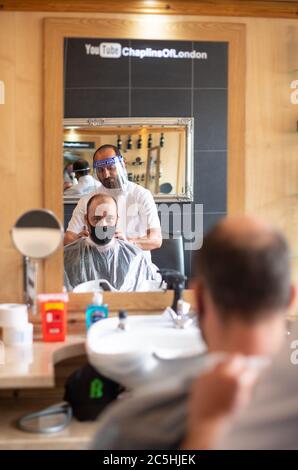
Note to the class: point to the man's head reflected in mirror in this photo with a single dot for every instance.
(110, 167)
(101, 218)
(101, 255)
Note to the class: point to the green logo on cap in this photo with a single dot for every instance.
(96, 388)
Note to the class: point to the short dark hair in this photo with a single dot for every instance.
(103, 196)
(107, 146)
(245, 277)
(81, 167)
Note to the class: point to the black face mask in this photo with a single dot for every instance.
(102, 235)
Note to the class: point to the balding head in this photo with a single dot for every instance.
(246, 230)
(101, 206)
(101, 218)
(245, 265)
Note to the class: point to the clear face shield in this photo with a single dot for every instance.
(111, 172)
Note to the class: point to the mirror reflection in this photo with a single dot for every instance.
(102, 256)
(157, 154)
(114, 172)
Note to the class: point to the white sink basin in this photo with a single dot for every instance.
(150, 349)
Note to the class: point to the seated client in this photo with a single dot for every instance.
(102, 255)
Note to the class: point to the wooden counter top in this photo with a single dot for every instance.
(33, 367)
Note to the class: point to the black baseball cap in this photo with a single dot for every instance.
(81, 165)
(89, 392)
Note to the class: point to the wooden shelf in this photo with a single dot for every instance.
(77, 435)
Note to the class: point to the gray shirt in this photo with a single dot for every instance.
(152, 420)
(156, 418)
(271, 419)
(153, 417)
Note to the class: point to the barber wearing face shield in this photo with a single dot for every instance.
(138, 219)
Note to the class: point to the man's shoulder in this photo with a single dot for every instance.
(134, 249)
(146, 420)
(76, 244)
(137, 190)
(71, 192)
(97, 184)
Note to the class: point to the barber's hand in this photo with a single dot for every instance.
(83, 233)
(215, 397)
(120, 236)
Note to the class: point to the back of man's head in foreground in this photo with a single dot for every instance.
(243, 274)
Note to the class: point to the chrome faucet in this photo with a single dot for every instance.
(183, 317)
(179, 311)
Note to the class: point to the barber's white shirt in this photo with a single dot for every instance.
(137, 211)
(87, 184)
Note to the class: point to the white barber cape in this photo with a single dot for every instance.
(122, 264)
(136, 210)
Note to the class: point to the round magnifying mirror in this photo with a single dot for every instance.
(37, 233)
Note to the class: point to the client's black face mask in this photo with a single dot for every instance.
(101, 235)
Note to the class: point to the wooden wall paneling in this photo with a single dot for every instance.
(136, 303)
(236, 125)
(272, 139)
(29, 119)
(11, 262)
(8, 164)
(131, 301)
(265, 8)
(29, 113)
(53, 138)
(56, 29)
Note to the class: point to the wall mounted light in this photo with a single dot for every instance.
(72, 134)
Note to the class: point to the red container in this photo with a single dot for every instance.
(53, 316)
